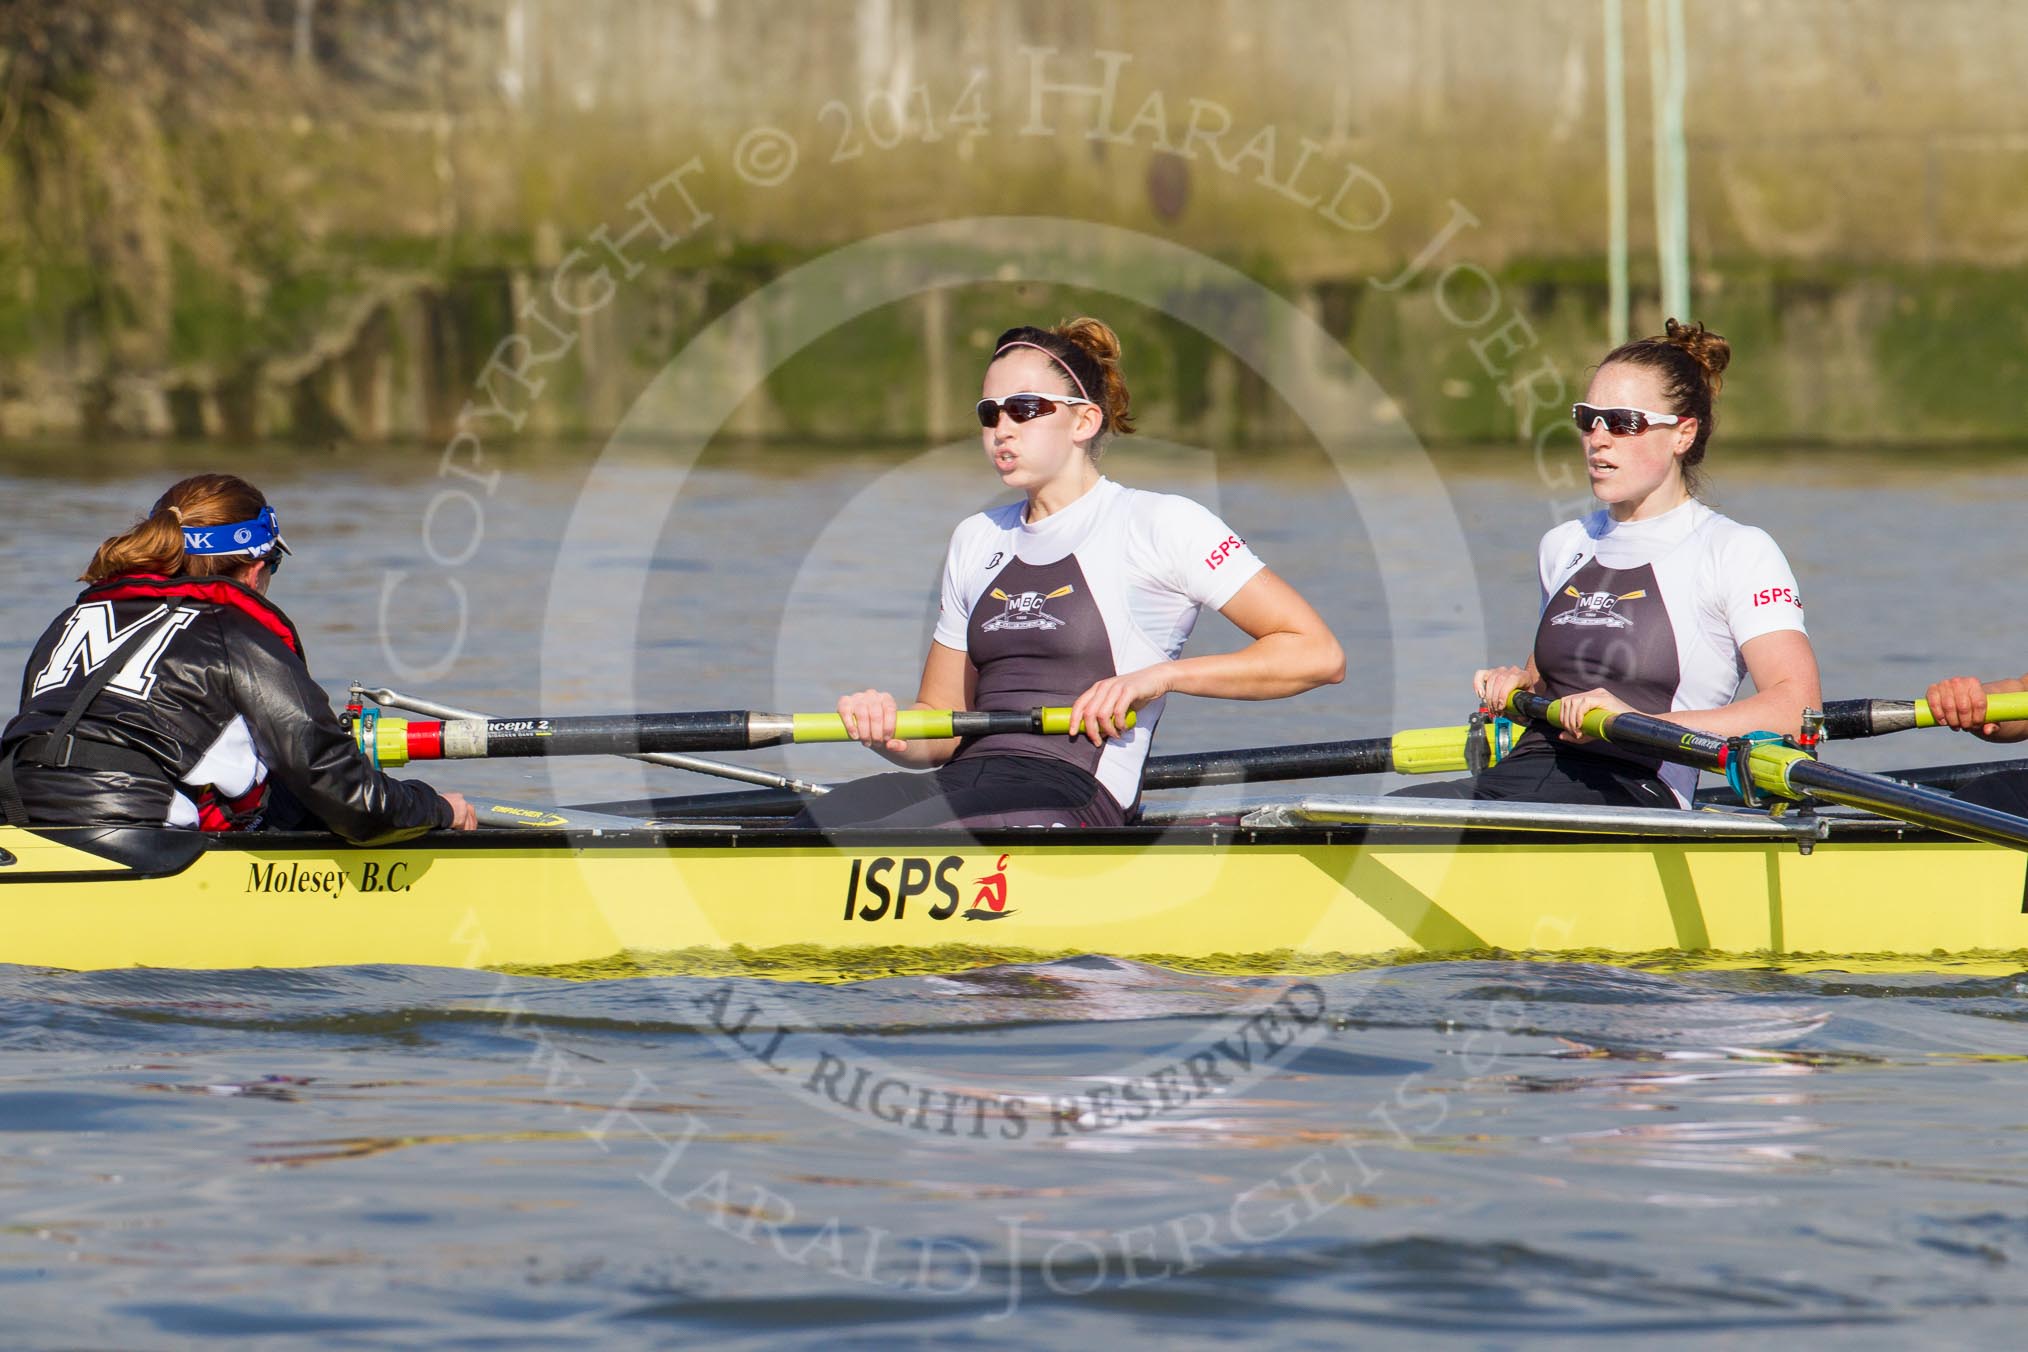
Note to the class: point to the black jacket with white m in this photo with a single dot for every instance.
(213, 690)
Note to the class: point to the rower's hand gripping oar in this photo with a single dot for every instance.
(1787, 771)
(397, 741)
(1847, 718)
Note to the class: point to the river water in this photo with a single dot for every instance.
(1485, 1153)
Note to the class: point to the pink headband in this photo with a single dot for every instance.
(1053, 357)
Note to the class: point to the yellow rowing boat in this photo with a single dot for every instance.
(1262, 885)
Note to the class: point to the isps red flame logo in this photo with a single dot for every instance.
(991, 901)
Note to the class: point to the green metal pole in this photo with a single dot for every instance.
(1619, 320)
(1667, 70)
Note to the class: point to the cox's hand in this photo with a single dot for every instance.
(1100, 712)
(869, 719)
(1960, 702)
(1494, 684)
(464, 817)
(1571, 709)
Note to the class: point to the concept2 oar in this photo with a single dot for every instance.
(1416, 751)
(397, 741)
(1788, 772)
(1846, 718)
(745, 774)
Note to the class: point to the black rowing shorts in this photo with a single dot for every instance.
(972, 791)
(1559, 773)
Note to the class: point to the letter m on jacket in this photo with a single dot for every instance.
(90, 640)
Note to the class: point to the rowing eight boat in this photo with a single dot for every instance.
(1239, 884)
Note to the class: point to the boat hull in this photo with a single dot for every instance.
(1237, 900)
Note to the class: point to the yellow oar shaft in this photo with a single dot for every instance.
(1999, 709)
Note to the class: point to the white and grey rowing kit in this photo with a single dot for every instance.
(1112, 583)
(1657, 612)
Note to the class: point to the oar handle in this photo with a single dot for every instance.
(913, 725)
(397, 741)
(1535, 708)
(1770, 765)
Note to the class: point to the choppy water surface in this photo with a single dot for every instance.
(1089, 1150)
(377, 1156)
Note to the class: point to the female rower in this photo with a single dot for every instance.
(1960, 702)
(1081, 594)
(1654, 603)
(172, 692)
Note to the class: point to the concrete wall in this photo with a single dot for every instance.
(1819, 129)
(1858, 198)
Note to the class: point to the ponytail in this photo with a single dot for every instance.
(155, 544)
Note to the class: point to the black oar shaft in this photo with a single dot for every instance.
(1791, 773)
(711, 730)
(1845, 719)
(720, 730)
(1925, 807)
(1686, 746)
(1950, 778)
(1240, 765)
(1370, 756)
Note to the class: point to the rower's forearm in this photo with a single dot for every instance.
(923, 753)
(1777, 710)
(1271, 667)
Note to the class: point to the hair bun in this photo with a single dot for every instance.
(1096, 339)
(1094, 336)
(1706, 348)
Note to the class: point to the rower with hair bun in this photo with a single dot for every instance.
(1080, 593)
(172, 692)
(1653, 604)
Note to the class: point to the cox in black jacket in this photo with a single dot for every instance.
(213, 692)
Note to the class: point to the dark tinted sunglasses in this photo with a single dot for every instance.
(1024, 407)
(1621, 422)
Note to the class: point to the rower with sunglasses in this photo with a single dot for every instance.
(1654, 603)
(1081, 594)
(173, 693)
